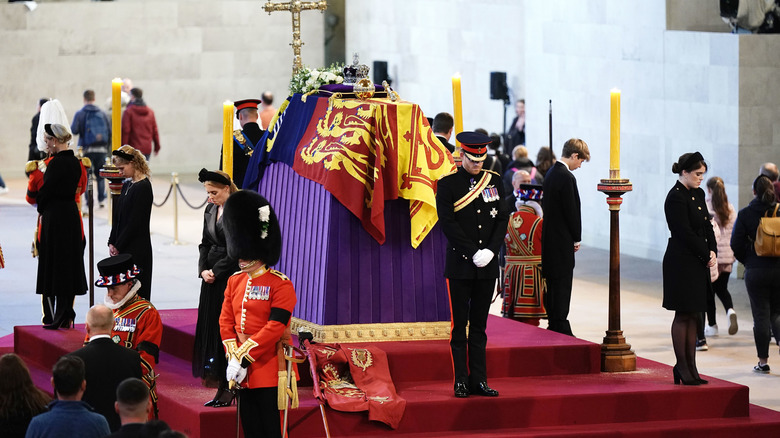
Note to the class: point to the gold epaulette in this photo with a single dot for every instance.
(239, 136)
(236, 273)
(30, 166)
(278, 274)
(450, 173)
(86, 162)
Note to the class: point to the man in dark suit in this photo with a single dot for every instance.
(245, 140)
(442, 128)
(561, 232)
(107, 364)
(473, 217)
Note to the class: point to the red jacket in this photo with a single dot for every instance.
(139, 128)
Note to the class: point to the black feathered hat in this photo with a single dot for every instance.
(116, 270)
(251, 228)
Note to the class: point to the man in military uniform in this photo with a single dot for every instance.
(246, 139)
(473, 215)
(256, 311)
(137, 324)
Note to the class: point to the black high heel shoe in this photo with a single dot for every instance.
(62, 322)
(226, 399)
(678, 378)
(216, 398)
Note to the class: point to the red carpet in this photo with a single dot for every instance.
(550, 385)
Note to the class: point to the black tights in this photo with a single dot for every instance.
(684, 343)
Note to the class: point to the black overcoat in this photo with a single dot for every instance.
(686, 277)
(481, 224)
(130, 230)
(61, 243)
(562, 225)
(107, 364)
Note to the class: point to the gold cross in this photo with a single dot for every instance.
(295, 7)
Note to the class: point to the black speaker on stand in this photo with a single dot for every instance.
(380, 73)
(499, 91)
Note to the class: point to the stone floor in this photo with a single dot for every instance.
(644, 322)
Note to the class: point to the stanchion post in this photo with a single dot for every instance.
(175, 183)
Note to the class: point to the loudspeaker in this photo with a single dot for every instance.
(380, 72)
(498, 88)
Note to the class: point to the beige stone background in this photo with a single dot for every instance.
(187, 56)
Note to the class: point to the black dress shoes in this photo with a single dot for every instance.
(461, 390)
(482, 388)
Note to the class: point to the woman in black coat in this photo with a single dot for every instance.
(132, 213)
(215, 267)
(762, 273)
(61, 241)
(690, 253)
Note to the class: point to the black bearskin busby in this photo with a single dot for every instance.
(251, 228)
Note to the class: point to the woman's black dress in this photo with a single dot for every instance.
(130, 230)
(61, 240)
(208, 357)
(686, 275)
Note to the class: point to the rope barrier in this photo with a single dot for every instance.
(178, 188)
(170, 189)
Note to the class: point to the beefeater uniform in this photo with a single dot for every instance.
(524, 286)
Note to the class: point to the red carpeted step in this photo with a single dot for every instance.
(510, 344)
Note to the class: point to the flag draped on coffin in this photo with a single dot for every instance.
(364, 153)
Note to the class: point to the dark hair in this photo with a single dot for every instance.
(443, 122)
(132, 391)
(68, 374)
(137, 93)
(89, 95)
(496, 141)
(42, 100)
(689, 162)
(764, 189)
(481, 131)
(720, 201)
(267, 98)
(18, 395)
(545, 159)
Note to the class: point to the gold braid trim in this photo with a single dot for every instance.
(230, 349)
(243, 351)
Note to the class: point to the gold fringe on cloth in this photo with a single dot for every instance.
(379, 332)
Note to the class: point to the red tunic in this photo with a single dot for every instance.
(247, 333)
(524, 286)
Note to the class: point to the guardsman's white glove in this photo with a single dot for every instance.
(235, 371)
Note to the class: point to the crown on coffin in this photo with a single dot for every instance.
(355, 72)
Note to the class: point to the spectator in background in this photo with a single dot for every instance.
(133, 406)
(20, 400)
(267, 110)
(443, 124)
(770, 171)
(496, 146)
(124, 96)
(68, 416)
(106, 363)
(139, 127)
(762, 273)
(545, 159)
(94, 130)
(724, 214)
(516, 134)
(492, 163)
(520, 161)
(34, 153)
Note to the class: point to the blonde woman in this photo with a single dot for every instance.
(215, 266)
(60, 236)
(131, 215)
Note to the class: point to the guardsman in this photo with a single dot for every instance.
(256, 311)
(524, 285)
(137, 324)
(246, 139)
(473, 216)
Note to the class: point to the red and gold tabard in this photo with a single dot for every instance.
(524, 286)
(255, 314)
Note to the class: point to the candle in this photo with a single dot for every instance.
(457, 104)
(116, 114)
(227, 138)
(614, 133)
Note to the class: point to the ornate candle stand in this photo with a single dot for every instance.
(115, 179)
(616, 354)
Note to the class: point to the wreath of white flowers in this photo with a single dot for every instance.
(308, 79)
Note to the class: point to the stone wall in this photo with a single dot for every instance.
(187, 56)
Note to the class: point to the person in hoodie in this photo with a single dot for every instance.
(93, 127)
(139, 127)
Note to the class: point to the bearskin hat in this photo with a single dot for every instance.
(251, 228)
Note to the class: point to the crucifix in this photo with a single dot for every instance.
(295, 7)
